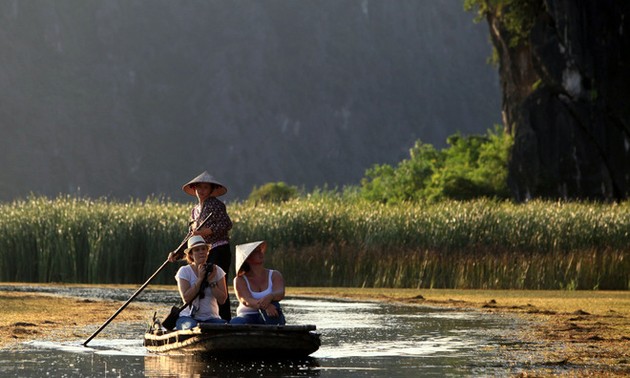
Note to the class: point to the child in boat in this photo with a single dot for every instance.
(216, 230)
(259, 290)
(190, 282)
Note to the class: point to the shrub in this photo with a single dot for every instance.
(273, 192)
(472, 167)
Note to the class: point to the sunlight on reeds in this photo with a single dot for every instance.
(326, 241)
(89, 241)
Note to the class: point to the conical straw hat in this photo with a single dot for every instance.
(244, 250)
(207, 178)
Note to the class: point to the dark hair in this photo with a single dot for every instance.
(212, 186)
(244, 269)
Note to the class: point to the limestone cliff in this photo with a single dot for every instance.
(124, 98)
(564, 67)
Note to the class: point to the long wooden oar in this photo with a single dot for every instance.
(177, 252)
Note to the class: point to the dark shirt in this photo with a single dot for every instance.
(220, 223)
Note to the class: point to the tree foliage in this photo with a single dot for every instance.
(471, 167)
(273, 192)
(516, 16)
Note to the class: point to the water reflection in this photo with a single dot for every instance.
(371, 339)
(47, 363)
(196, 366)
(355, 329)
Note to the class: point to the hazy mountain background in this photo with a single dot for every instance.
(127, 98)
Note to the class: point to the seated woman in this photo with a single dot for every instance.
(190, 280)
(259, 290)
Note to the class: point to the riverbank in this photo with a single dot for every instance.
(573, 333)
(585, 333)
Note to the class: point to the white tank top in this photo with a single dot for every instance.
(242, 309)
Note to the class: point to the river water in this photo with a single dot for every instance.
(358, 339)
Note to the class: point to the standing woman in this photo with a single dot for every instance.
(216, 230)
(205, 289)
(259, 290)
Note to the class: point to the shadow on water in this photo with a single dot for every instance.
(358, 338)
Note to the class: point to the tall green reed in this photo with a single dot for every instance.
(82, 240)
(325, 240)
(477, 244)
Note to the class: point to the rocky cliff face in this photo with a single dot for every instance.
(127, 98)
(566, 97)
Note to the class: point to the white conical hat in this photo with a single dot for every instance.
(207, 178)
(244, 250)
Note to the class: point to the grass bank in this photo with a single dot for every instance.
(324, 240)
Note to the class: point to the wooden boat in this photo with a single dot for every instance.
(237, 340)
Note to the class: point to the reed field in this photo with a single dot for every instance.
(325, 240)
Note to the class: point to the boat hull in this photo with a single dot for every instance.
(238, 340)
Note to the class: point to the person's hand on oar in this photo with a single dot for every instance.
(179, 250)
(177, 254)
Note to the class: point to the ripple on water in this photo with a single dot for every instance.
(375, 339)
(395, 348)
(120, 347)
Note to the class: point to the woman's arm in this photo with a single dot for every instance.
(220, 291)
(218, 286)
(243, 294)
(187, 291)
(277, 290)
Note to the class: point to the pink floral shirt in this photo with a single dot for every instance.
(220, 223)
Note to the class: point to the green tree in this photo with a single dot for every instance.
(471, 167)
(493, 162)
(516, 16)
(273, 192)
(384, 183)
(474, 166)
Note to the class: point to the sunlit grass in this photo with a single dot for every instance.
(326, 241)
(478, 244)
(81, 240)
